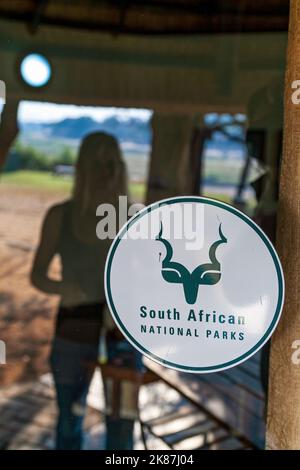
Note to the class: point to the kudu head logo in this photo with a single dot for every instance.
(204, 274)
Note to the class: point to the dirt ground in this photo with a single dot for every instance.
(26, 315)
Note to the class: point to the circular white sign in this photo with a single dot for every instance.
(194, 284)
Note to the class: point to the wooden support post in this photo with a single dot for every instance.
(8, 128)
(283, 422)
(170, 173)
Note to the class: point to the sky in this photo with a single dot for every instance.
(31, 111)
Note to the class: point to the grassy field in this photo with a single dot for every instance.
(48, 182)
(44, 181)
(37, 180)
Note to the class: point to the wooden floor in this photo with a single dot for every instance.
(231, 402)
(28, 415)
(180, 411)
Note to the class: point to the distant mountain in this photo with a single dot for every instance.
(129, 130)
(134, 134)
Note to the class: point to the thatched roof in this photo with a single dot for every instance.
(152, 16)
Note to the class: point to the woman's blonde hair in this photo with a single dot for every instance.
(100, 156)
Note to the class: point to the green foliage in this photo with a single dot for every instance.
(65, 157)
(26, 157)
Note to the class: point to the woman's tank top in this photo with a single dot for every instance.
(82, 263)
(82, 266)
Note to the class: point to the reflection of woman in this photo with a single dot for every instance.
(69, 230)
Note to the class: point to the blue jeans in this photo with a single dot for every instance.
(119, 433)
(72, 379)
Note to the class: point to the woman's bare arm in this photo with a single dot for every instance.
(46, 250)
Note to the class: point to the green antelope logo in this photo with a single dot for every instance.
(204, 274)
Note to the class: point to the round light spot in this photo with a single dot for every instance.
(35, 70)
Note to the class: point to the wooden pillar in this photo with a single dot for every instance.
(8, 128)
(283, 421)
(170, 172)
